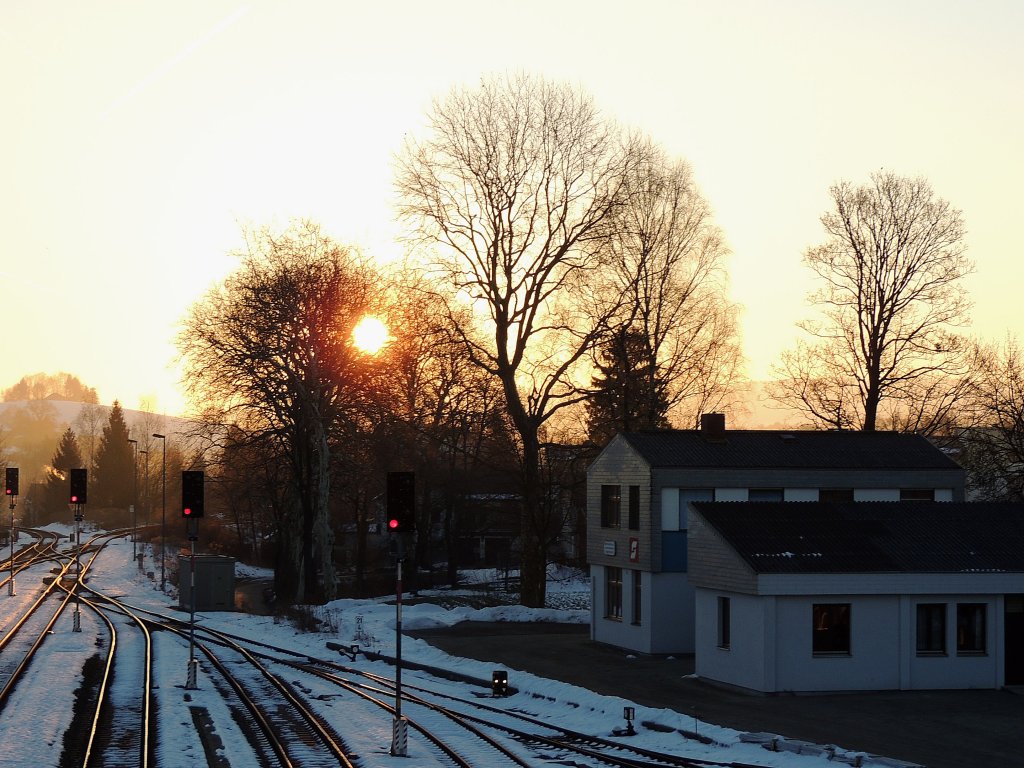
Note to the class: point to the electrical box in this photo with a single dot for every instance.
(215, 583)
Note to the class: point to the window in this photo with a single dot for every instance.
(613, 592)
(765, 494)
(611, 502)
(637, 597)
(686, 495)
(970, 628)
(831, 633)
(835, 495)
(917, 494)
(931, 629)
(634, 507)
(724, 622)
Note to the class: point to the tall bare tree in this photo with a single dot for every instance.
(272, 349)
(516, 188)
(886, 350)
(677, 331)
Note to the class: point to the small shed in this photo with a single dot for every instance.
(215, 583)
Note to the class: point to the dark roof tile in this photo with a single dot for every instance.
(789, 449)
(872, 537)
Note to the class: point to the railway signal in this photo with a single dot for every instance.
(11, 481)
(79, 486)
(192, 496)
(400, 502)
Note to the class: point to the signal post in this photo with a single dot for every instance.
(78, 497)
(192, 508)
(11, 491)
(401, 507)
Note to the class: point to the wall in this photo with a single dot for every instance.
(752, 640)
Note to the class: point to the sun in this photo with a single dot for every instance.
(370, 335)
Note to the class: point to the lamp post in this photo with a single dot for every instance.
(135, 489)
(140, 555)
(163, 508)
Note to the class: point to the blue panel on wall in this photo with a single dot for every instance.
(673, 551)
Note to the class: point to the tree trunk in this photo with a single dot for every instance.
(533, 571)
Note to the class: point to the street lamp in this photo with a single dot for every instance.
(135, 490)
(163, 508)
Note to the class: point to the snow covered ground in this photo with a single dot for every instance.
(368, 623)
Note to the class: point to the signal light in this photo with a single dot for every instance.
(11, 481)
(401, 495)
(79, 486)
(499, 682)
(192, 496)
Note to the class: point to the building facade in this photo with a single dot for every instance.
(641, 485)
(854, 597)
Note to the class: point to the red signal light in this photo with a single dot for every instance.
(186, 511)
(392, 524)
(74, 499)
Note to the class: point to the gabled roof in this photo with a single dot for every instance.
(872, 537)
(776, 449)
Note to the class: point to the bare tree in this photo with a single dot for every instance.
(892, 297)
(669, 267)
(272, 349)
(993, 441)
(516, 188)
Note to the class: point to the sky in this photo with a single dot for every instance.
(140, 138)
(37, 726)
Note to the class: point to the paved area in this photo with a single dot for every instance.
(937, 729)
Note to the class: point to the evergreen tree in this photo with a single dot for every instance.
(68, 456)
(628, 394)
(112, 473)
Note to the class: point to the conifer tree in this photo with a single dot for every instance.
(68, 456)
(628, 393)
(112, 473)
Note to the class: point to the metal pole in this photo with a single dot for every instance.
(399, 727)
(135, 489)
(163, 510)
(77, 627)
(191, 684)
(10, 584)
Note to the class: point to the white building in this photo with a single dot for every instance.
(639, 490)
(845, 597)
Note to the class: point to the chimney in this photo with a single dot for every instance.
(712, 425)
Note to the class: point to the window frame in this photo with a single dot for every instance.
(773, 494)
(633, 515)
(613, 593)
(637, 617)
(611, 506)
(724, 623)
(836, 495)
(917, 494)
(932, 640)
(971, 634)
(831, 629)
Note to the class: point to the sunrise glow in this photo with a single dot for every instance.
(370, 335)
